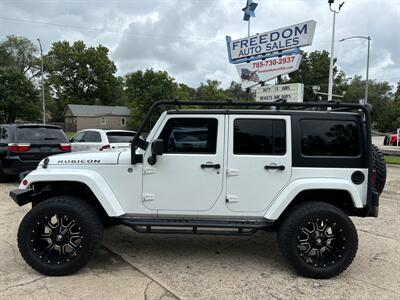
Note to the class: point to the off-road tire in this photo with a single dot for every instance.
(379, 166)
(90, 231)
(291, 231)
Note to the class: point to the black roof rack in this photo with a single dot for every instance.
(279, 104)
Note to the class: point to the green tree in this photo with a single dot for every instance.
(81, 75)
(210, 91)
(18, 97)
(314, 70)
(385, 111)
(20, 54)
(235, 92)
(144, 88)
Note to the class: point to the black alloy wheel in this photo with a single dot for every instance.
(318, 239)
(60, 235)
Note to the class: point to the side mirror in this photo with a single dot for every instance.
(157, 148)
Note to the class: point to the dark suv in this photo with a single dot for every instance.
(23, 146)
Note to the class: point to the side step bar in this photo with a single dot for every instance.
(206, 227)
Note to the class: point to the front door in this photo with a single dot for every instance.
(189, 174)
(259, 161)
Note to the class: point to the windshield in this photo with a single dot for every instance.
(43, 135)
(120, 136)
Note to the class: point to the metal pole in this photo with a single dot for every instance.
(43, 98)
(367, 76)
(330, 84)
(248, 27)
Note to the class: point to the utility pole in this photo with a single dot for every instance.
(330, 84)
(368, 56)
(43, 98)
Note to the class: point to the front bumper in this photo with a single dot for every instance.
(24, 196)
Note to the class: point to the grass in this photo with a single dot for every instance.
(69, 134)
(392, 160)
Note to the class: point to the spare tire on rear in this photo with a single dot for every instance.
(379, 167)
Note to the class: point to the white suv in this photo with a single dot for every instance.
(215, 171)
(100, 139)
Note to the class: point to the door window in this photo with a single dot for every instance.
(259, 137)
(92, 137)
(78, 138)
(190, 135)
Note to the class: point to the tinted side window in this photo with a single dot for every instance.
(92, 137)
(190, 135)
(329, 138)
(259, 136)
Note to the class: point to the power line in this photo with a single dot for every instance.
(109, 31)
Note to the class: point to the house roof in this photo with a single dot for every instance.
(97, 110)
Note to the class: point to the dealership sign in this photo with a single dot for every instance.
(264, 70)
(285, 38)
(292, 92)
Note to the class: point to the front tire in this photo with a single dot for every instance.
(318, 240)
(60, 235)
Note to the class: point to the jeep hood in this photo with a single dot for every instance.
(84, 158)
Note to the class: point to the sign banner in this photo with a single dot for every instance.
(292, 92)
(265, 70)
(289, 37)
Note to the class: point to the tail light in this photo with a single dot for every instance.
(104, 147)
(65, 147)
(18, 147)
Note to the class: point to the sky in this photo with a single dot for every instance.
(187, 37)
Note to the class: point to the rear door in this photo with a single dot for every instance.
(38, 142)
(77, 142)
(120, 140)
(259, 161)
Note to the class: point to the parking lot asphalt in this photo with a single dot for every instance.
(152, 266)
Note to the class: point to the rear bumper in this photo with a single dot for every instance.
(15, 166)
(374, 208)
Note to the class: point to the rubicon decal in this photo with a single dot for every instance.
(79, 161)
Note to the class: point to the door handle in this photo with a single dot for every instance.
(213, 166)
(272, 167)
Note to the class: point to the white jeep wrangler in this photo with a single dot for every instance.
(230, 170)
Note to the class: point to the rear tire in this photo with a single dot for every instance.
(318, 240)
(60, 235)
(379, 166)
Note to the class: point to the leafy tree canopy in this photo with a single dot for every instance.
(20, 54)
(81, 75)
(18, 97)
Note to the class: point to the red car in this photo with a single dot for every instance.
(391, 140)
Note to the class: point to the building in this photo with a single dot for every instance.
(78, 117)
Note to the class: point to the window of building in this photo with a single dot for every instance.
(259, 137)
(329, 138)
(190, 135)
(123, 121)
(103, 121)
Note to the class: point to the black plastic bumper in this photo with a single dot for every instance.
(23, 196)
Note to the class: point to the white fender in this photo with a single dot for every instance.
(280, 203)
(92, 179)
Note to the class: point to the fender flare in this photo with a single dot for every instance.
(278, 206)
(93, 180)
